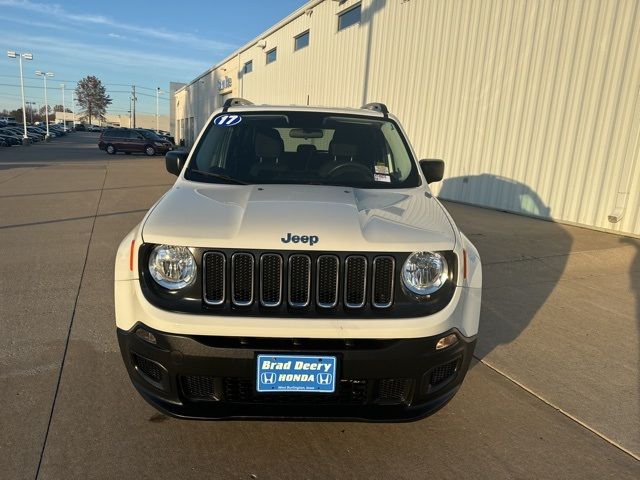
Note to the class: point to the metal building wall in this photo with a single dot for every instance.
(533, 104)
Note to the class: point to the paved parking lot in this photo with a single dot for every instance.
(554, 392)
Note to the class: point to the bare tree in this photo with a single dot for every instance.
(92, 98)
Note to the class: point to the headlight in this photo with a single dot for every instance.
(172, 267)
(424, 273)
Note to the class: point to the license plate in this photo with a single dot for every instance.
(296, 373)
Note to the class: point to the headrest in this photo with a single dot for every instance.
(306, 148)
(343, 149)
(268, 143)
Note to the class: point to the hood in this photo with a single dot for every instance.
(273, 217)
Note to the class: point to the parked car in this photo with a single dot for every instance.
(94, 128)
(299, 267)
(129, 140)
(57, 129)
(162, 135)
(81, 127)
(11, 139)
(19, 131)
(40, 133)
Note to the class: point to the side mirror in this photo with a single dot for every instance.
(433, 170)
(175, 160)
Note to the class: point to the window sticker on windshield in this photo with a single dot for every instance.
(382, 169)
(382, 178)
(227, 120)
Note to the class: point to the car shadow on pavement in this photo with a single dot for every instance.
(523, 258)
(634, 280)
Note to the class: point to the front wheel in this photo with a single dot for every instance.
(150, 151)
(111, 150)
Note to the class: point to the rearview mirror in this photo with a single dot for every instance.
(305, 133)
(433, 170)
(175, 160)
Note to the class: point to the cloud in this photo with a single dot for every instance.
(114, 35)
(85, 54)
(183, 38)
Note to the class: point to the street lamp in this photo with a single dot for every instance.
(44, 75)
(31, 105)
(64, 112)
(20, 56)
(158, 92)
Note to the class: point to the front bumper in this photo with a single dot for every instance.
(206, 377)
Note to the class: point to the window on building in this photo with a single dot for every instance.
(349, 17)
(301, 40)
(248, 67)
(272, 55)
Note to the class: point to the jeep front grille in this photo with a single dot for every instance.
(325, 282)
(242, 279)
(214, 278)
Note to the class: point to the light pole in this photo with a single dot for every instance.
(31, 105)
(20, 56)
(158, 92)
(64, 112)
(73, 109)
(44, 75)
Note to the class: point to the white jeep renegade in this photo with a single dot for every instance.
(299, 267)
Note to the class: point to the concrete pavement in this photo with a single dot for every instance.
(554, 393)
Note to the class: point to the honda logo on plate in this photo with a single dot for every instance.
(268, 378)
(324, 379)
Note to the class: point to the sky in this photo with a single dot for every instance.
(124, 43)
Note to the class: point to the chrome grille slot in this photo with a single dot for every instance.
(299, 280)
(327, 281)
(355, 281)
(270, 280)
(383, 281)
(242, 276)
(214, 278)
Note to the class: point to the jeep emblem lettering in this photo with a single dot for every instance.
(310, 239)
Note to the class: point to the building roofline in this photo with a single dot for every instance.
(286, 20)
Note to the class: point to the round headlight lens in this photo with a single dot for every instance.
(424, 273)
(172, 267)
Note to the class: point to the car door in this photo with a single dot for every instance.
(138, 141)
(124, 140)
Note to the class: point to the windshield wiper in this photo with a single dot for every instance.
(219, 176)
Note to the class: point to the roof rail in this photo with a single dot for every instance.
(377, 107)
(235, 102)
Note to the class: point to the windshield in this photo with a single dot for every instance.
(303, 148)
(149, 135)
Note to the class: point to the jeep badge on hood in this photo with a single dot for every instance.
(310, 239)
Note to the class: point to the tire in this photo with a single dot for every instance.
(111, 150)
(150, 151)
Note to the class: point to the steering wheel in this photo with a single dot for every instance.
(356, 168)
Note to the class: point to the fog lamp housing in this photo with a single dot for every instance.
(447, 341)
(146, 336)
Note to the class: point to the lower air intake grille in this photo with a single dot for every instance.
(199, 387)
(148, 367)
(443, 372)
(242, 390)
(394, 390)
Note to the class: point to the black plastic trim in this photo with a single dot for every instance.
(190, 299)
